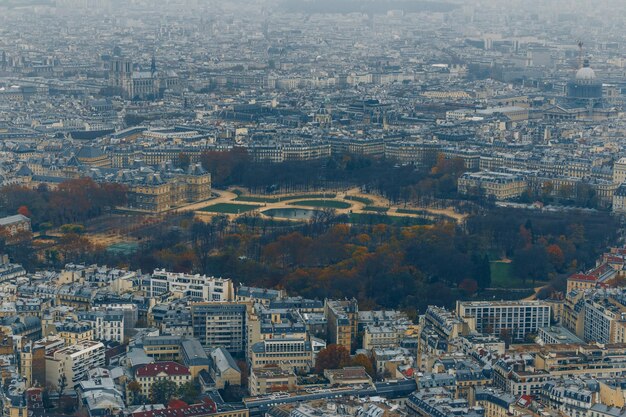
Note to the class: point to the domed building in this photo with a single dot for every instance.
(583, 99)
(585, 87)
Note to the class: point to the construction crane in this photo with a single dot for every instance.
(580, 53)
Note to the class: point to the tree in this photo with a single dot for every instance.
(24, 211)
(162, 391)
(332, 357)
(366, 362)
(62, 384)
(468, 286)
(481, 270)
(555, 254)
(134, 388)
(532, 263)
(189, 392)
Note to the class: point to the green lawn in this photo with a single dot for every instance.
(263, 199)
(256, 199)
(363, 200)
(377, 209)
(229, 208)
(301, 196)
(409, 211)
(502, 277)
(322, 203)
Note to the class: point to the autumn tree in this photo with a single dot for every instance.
(366, 362)
(332, 357)
(555, 255)
(134, 388)
(24, 211)
(468, 286)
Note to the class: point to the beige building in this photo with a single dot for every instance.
(157, 194)
(382, 336)
(285, 353)
(350, 375)
(12, 226)
(581, 282)
(271, 379)
(74, 332)
(73, 362)
(619, 171)
(501, 186)
(147, 375)
(342, 318)
(224, 369)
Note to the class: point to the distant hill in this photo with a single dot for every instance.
(366, 6)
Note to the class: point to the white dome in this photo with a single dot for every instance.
(585, 74)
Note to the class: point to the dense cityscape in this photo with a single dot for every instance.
(315, 208)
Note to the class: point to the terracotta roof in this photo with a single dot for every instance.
(176, 403)
(153, 369)
(582, 277)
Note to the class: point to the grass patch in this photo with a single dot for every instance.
(263, 199)
(377, 209)
(322, 203)
(301, 196)
(411, 211)
(502, 277)
(124, 248)
(256, 199)
(229, 208)
(363, 200)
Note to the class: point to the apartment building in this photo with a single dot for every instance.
(516, 319)
(181, 285)
(285, 353)
(74, 362)
(220, 325)
(107, 325)
(342, 317)
(271, 379)
(604, 321)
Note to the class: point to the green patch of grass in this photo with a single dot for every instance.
(124, 248)
(502, 277)
(301, 196)
(377, 209)
(264, 199)
(363, 200)
(322, 203)
(366, 218)
(411, 211)
(229, 208)
(257, 199)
